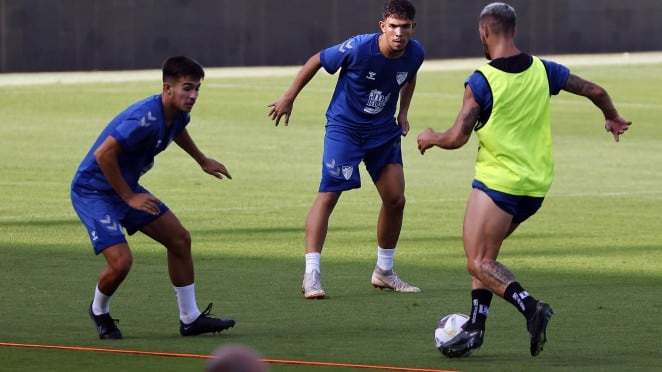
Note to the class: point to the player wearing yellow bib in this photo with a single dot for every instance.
(517, 159)
(507, 104)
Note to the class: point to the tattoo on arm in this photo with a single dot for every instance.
(575, 84)
(594, 92)
(469, 120)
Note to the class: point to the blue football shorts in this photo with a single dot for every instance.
(107, 216)
(519, 206)
(345, 149)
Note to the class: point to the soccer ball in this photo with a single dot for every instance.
(447, 328)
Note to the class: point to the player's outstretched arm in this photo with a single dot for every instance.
(614, 123)
(215, 168)
(458, 134)
(208, 165)
(283, 106)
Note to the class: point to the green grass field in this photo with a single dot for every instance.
(593, 251)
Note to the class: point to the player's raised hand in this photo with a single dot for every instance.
(617, 126)
(282, 107)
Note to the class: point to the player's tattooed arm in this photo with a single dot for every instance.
(594, 92)
(458, 134)
(470, 120)
(464, 123)
(575, 85)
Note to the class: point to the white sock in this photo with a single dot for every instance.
(101, 303)
(385, 258)
(188, 306)
(313, 262)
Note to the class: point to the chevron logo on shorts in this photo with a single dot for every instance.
(109, 223)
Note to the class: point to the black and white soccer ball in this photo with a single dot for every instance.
(447, 328)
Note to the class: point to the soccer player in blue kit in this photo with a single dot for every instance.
(507, 103)
(107, 197)
(375, 70)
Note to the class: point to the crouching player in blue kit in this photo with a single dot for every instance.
(107, 197)
(375, 70)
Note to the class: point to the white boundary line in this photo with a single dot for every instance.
(469, 64)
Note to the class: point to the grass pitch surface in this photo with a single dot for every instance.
(592, 251)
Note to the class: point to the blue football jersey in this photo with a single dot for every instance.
(142, 133)
(368, 85)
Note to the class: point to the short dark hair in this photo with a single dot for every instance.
(500, 17)
(179, 66)
(401, 9)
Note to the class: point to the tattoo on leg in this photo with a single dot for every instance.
(498, 272)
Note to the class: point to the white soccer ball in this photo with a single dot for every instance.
(447, 328)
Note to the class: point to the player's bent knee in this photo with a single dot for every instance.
(180, 240)
(184, 239)
(180, 245)
(119, 258)
(396, 203)
(474, 267)
(122, 265)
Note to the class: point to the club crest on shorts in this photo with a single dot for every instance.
(347, 171)
(400, 77)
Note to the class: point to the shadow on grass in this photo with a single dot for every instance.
(53, 281)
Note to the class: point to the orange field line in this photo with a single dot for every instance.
(202, 356)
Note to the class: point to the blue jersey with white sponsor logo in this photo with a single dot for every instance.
(368, 86)
(142, 133)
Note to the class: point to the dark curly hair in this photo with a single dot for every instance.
(401, 9)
